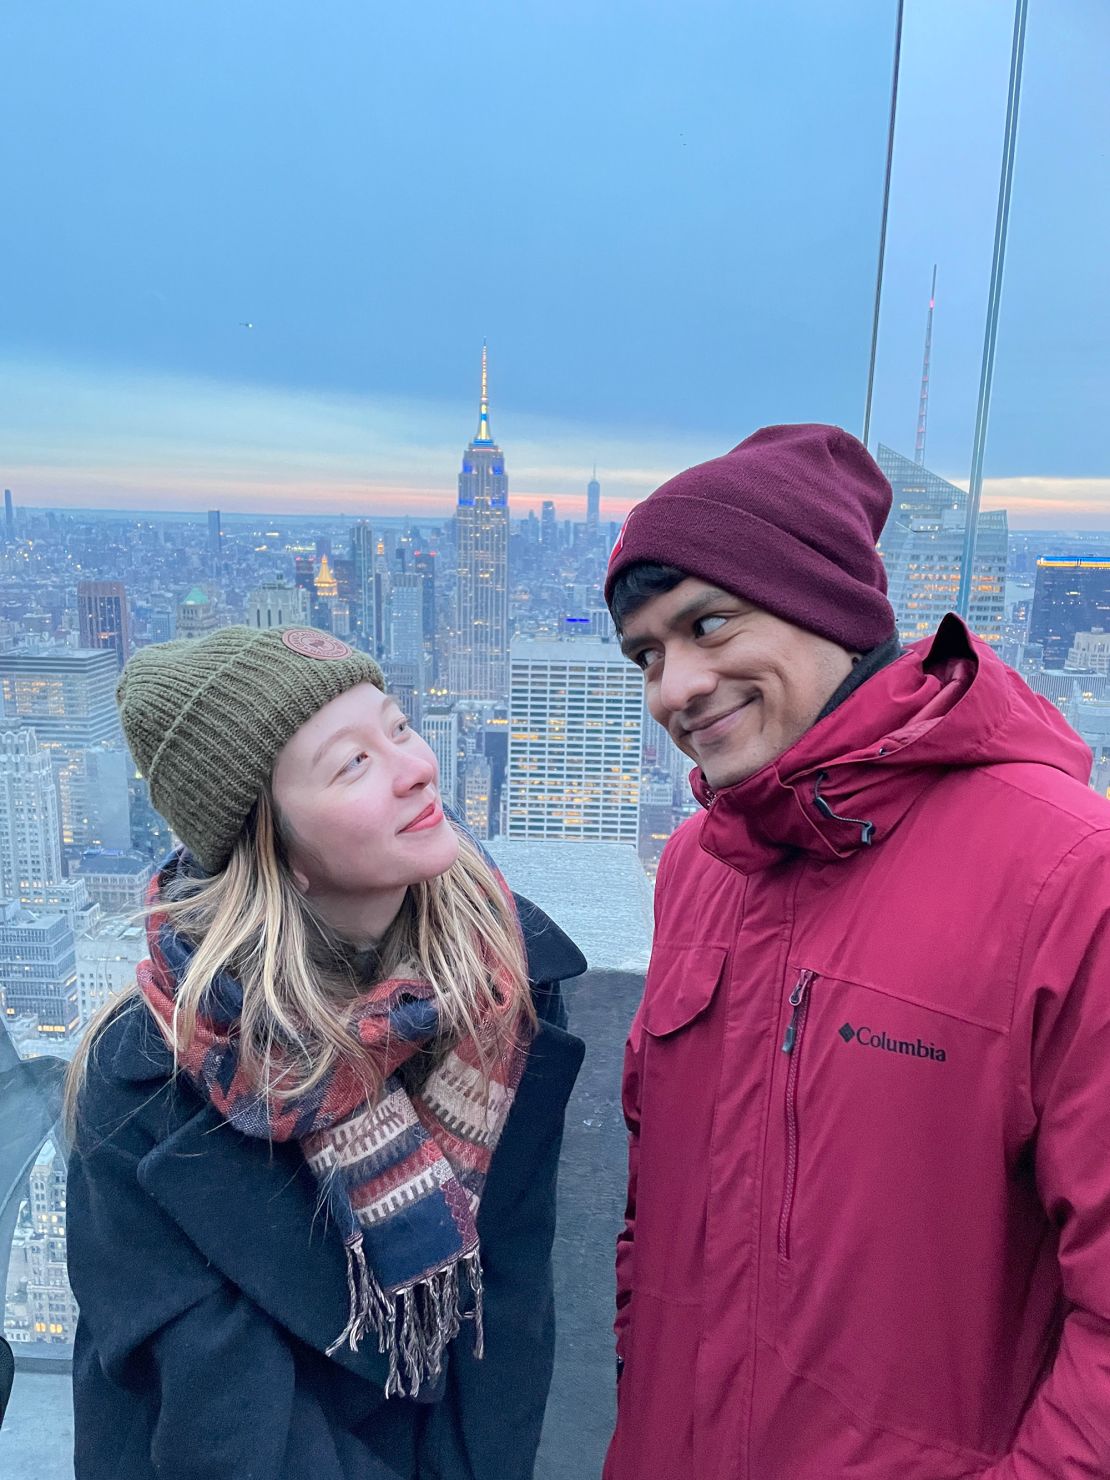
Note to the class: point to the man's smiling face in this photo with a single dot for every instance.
(732, 685)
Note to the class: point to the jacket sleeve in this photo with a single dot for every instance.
(1062, 1017)
(209, 1367)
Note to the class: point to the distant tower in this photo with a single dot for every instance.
(593, 504)
(327, 594)
(406, 622)
(481, 657)
(327, 588)
(363, 552)
(923, 403)
(103, 616)
(30, 830)
(9, 517)
(277, 605)
(197, 615)
(424, 562)
(215, 542)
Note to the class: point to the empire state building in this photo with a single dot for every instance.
(481, 660)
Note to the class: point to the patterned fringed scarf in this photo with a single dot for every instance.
(402, 1179)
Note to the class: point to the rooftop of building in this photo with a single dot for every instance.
(15, 915)
(616, 937)
(113, 861)
(56, 652)
(122, 929)
(566, 650)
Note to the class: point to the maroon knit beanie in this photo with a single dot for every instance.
(789, 520)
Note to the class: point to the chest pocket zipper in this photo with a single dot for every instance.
(792, 1045)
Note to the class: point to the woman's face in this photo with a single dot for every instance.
(358, 794)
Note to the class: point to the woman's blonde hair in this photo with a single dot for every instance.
(300, 980)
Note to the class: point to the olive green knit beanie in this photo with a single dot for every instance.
(206, 717)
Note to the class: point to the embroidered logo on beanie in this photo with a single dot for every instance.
(311, 644)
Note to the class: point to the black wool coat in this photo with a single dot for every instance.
(209, 1290)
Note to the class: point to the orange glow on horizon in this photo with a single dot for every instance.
(39, 487)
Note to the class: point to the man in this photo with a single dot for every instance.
(868, 1087)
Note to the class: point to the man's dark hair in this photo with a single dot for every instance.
(636, 586)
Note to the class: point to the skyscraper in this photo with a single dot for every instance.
(106, 959)
(481, 657)
(304, 573)
(593, 505)
(326, 590)
(9, 517)
(30, 831)
(1072, 595)
(575, 742)
(67, 696)
(476, 795)
(441, 731)
(404, 680)
(277, 605)
(406, 621)
(51, 1308)
(549, 529)
(103, 617)
(424, 562)
(363, 552)
(197, 615)
(163, 623)
(116, 879)
(38, 967)
(215, 542)
(922, 549)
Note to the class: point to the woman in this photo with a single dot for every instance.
(311, 1193)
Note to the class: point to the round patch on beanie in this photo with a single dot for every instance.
(312, 644)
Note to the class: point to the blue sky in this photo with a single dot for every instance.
(662, 215)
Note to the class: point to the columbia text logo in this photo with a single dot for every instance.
(913, 1048)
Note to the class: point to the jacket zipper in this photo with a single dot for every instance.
(792, 1045)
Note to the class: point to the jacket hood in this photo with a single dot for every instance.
(946, 704)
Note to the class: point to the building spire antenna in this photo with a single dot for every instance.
(484, 436)
(923, 403)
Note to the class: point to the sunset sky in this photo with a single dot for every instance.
(663, 216)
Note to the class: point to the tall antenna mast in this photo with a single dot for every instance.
(923, 404)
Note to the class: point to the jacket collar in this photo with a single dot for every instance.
(850, 780)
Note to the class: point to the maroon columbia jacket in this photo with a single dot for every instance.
(868, 1091)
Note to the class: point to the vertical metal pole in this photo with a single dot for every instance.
(994, 296)
(883, 225)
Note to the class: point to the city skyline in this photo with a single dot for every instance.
(628, 469)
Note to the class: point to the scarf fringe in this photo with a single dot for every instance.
(415, 1326)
